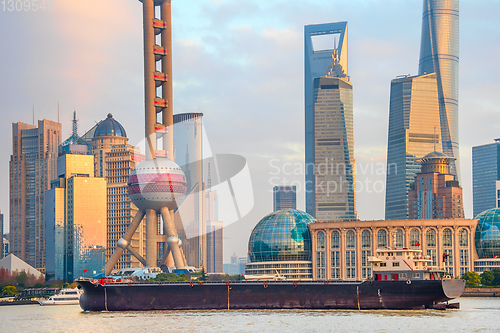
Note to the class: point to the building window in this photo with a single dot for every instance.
(463, 237)
(350, 263)
(430, 241)
(381, 239)
(366, 239)
(430, 238)
(400, 239)
(320, 255)
(414, 238)
(335, 264)
(448, 250)
(366, 271)
(320, 241)
(320, 264)
(464, 258)
(447, 238)
(350, 240)
(335, 240)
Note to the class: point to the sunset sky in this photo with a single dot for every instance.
(241, 63)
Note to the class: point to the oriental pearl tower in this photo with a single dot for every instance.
(158, 182)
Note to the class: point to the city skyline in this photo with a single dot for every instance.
(375, 58)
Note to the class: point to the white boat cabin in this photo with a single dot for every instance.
(403, 264)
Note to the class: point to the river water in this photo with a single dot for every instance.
(475, 315)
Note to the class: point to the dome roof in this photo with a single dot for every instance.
(109, 127)
(281, 236)
(435, 154)
(488, 234)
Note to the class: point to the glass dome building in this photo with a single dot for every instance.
(281, 236)
(487, 236)
(281, 243)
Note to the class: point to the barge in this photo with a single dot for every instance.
(401, 280)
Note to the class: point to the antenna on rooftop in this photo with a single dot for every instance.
(75, 124)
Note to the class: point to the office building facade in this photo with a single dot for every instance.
(340, 250)
(413, 132)
(75, 219)
(436, 193)
(439, 53)
(284, 197)
(32, 166)
(330, 189)
(485, 174)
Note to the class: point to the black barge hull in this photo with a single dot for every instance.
(267, 295)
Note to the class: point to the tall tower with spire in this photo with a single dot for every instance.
(330, 189)
(439, 53)
(157, 184)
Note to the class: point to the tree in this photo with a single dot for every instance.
(9, 291)
(496, 277)
(203, 275)
(487, 278)
(169, 277)
(472, 279)
(22, 278)
(39, 285)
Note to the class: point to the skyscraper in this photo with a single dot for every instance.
(284, 197)
(215, 233)
(32, 166)
(330, 190)
(413, 133)
(188, 154)
(114, 159)
(75, 219)
(485, 174)
(435, 194)
(439, 50)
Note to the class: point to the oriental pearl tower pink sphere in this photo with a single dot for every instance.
(156, 183)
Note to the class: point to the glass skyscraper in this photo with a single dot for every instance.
(413, 133)
(439, 54)
(485, 173)
(330, 190)
(414, 127)
(75, 219)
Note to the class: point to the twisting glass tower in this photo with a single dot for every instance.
(439, 54)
